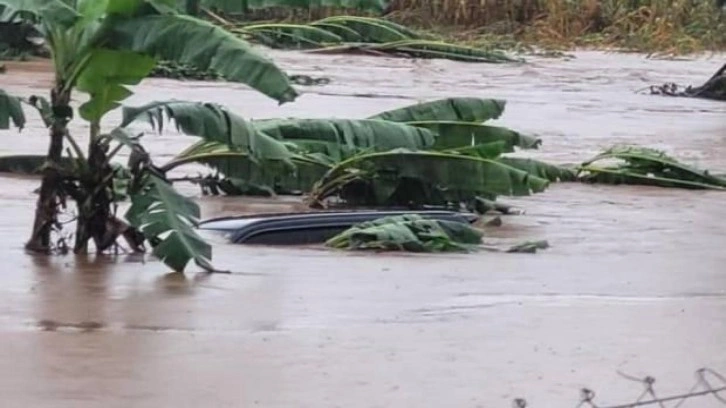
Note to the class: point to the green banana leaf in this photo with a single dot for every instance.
(452, 134)
(342, 138)
(57, 12)
(105, 77)
(409, 232)
(239, 169)
(422, 178)
(282, 40)
(196, 43)
(640, 165)
(347, 34)
(419, 49)
(290, 35)
(439, 49)
(347, 20)
(11, 110)
(450, 109)
(371, 30)
(212, 123)
(310, 32)
(167, 219)
(490, 150)
(540, 169)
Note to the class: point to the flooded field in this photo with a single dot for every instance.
(635, 279)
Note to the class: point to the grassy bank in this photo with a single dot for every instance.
(673, 26)
(667, 26)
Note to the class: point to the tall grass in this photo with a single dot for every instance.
(675, 26)
(663, 25)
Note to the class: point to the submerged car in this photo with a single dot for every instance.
(307, 228)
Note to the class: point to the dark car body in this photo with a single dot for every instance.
(307, 228)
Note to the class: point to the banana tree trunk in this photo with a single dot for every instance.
(46, 211)
(94, 201)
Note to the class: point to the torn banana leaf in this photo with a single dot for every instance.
(371, 30)
(645, 166)
(343, 138)
(409, 232)
(346, 33)
(452, 134)
(485, 150)
(168, 220)
(242, 174)
(420, 49)
(290, 35)
(464, 109)
(540, 169)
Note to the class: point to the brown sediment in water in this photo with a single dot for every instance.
(634, 279)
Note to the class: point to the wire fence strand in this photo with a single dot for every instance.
(709, 383)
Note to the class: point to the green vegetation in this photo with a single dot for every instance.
(409, 233)
(666, 26)
(99, 48)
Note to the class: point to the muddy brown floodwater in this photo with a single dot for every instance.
(635, 280)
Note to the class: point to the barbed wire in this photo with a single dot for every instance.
(708, 383)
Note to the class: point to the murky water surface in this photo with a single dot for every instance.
(635, 279)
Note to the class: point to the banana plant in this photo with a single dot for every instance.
(328, 155)
(100, 47)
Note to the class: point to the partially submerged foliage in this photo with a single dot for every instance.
(404, 177)
(714, 88)
(168, 220)
(101, 48)
(644, 166)
(353, 34)
(383, 160)
(408, 233)
(413, 233)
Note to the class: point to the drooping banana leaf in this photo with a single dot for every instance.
(452, 134)
(640, 165)
(345, 33)
(212, 123)
(342, 138)
(282, 40)
(409, 232)
(438, 49)
(440, 176)
(237, 166)
(370, 30)
(450, 109)
(292, 35)
(540, 169)
(167, 219)
(11, 110)
(419, 49)
(196, 43)
(490, 150)
(409, 33)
